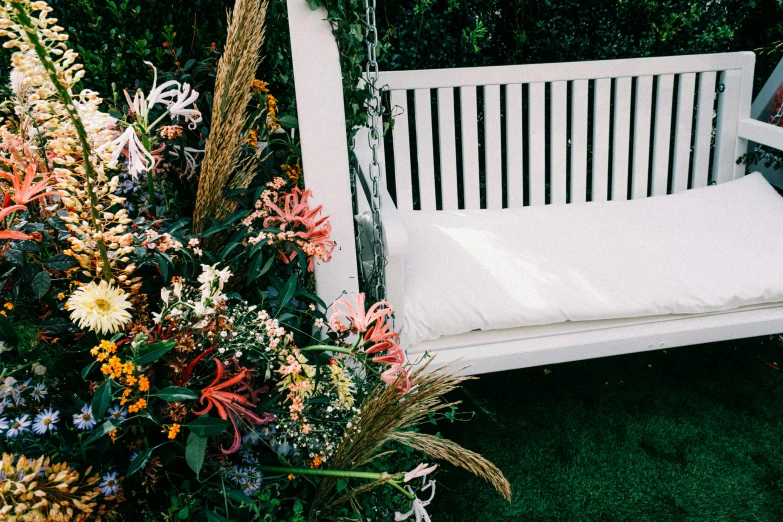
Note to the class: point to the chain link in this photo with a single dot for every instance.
(375, 110)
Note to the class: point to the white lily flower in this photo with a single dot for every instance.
(139, 159)
(178, 101)
(202, 309)
(417, 510)
(177, 290)
(156, 93)
(419, 471)
(164, 294)
(190, 158)
(138, 105)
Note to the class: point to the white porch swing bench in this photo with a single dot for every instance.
(653, 128)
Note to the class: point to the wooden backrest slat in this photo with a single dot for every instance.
(558, 125)
(621, 140)
(602, 91)
(514, 146)
(641, 137)
(424, 148)
(703, 137)
(470, 151)
(448, 149)
(662, 134)
(537, 141)
(726, 126)
(493, 164)
(579, 93)
(402, 155)
(683, 128)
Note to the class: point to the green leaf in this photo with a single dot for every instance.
(60, 262)
(214, 517)
(194, 452)
(288, 121)
(14, 257)
(341, 485)
(267, 266)
(238, 496)
(208, 426)
(183, 513)
(253, 271)
(7, 332)
(86, 369)
(314, 4)
(41, 284)
(100, 431)
(288, 291)
(298, 507)
(175, 393)
(155, 351)
(138, 463)
(101, 399)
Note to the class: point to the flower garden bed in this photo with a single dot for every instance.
(163, 353)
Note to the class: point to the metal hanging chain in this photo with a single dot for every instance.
(375, 110)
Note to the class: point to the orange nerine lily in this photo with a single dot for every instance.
(233, 406)
(12, 234)
(25, 190)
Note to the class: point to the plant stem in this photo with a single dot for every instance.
(65, 97)
(150, 181)
(326, 472)
(326, 348)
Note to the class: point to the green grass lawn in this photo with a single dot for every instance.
(690, 433)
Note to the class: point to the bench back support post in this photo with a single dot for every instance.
(319, 98)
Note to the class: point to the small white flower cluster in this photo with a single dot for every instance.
(239, 328)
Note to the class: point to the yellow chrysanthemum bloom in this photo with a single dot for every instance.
(99, 307)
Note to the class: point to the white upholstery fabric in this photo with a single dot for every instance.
(708, 249)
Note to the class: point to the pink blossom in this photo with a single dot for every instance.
(360, 320)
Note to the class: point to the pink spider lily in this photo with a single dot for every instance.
(385, 340)
(359, 319)
(12, 234)
(381, 333)
(295, 210)
(395, 358)
(233, 406)
(319, 237)
(25, 190)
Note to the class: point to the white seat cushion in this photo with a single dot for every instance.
(703, 250)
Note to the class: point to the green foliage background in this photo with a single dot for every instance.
(184, 37)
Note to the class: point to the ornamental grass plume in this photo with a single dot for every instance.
(37, 491)
(387, 415)
(233, 92)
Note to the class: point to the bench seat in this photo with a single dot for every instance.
(710, 249)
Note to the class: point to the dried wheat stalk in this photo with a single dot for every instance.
(385, 416)
(236, 71)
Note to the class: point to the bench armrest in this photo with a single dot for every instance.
(761, 133)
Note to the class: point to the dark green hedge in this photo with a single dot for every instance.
(458, 33)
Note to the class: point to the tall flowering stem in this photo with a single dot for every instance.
(65, 95)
